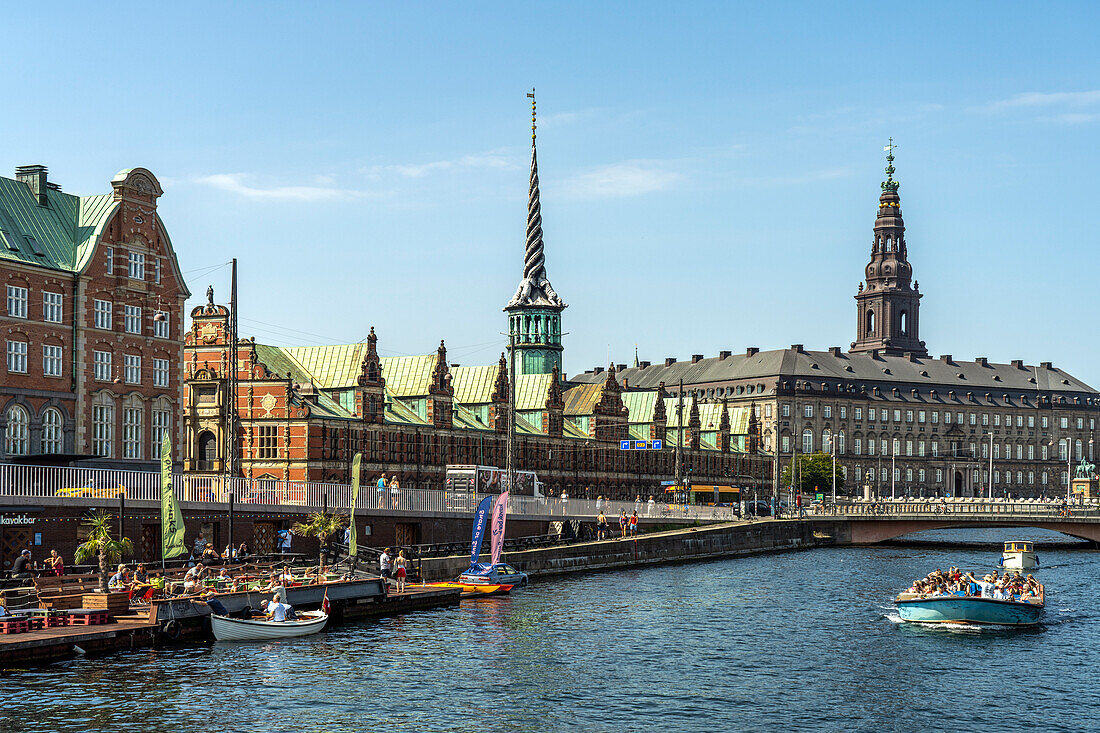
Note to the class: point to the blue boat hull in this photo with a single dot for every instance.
(958, 610)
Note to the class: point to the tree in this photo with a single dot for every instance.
(100, 543)
(815, 473)
(321, 525)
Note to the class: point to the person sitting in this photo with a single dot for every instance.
(192, 579)
(139, 584)
(22, 567)
(243, 551)
(210, 556)
(224, 579)
(55, 563)
(272, 582)
(121, 579)
(286, 577)
(276, 609)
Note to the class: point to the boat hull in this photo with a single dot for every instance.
(970, 610)
(236, 629)
(1019, 561)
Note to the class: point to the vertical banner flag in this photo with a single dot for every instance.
(353, 544)
(500, 516)
(171, 518)
(481, 518)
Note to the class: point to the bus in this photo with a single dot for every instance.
(490, 480)
(704, 494)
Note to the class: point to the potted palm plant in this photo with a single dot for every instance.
(100, 544)
(321, 525)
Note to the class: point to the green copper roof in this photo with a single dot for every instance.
(408, 376)
(581, 399)
(640, 405)
(531, 391)
(671, 419)
(473, 385)
(60, 235)
(331, 366)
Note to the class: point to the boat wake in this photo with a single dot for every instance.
(893, 617)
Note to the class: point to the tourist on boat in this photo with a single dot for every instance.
(55, 563)
(601, 527)
(192, 579)
(634, 524)
(277, 608)
(286, 577)
(385, 563)
(272, 581)
(402, 572)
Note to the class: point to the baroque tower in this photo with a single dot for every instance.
(887, 318)
(534, 312)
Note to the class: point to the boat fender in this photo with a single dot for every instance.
(172, 629)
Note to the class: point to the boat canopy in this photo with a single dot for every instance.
(1018, 546)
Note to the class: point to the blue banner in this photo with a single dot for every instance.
(481, 519)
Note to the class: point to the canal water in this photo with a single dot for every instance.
(797, 641)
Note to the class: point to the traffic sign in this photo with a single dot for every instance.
(624, 445)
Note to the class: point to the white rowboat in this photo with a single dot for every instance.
(240, 629)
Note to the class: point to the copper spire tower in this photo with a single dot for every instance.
(887, 309)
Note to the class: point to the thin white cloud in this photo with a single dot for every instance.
(236, 183)
(1049, 99)
(826, 174)
(491, 160)
(621, 180)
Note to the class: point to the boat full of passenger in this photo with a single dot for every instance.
(955, 597)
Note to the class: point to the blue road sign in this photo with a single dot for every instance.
(655, 445)
(624, 445)
(639, 445)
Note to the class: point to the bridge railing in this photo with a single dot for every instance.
(99, 486)
(983, 509)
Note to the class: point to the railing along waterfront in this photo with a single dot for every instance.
(966, 509)
(97, 486)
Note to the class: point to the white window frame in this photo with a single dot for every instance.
(102, 366)
(163, 328)
(53, 360)
(17, 434)
(17, 301)
(52, 430)
(136, 266)
(132, 318)
(17, 357)
(53, 306)
(161, 369)
(162, 424)
(110, 260)
(131, 368)
(103, 314)
(132, 429)
(103, 429)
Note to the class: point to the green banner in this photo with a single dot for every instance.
(353, 545)
(171, 518)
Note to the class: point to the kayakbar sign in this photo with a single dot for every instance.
(18, 519)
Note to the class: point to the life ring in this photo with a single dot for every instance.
(172, 629)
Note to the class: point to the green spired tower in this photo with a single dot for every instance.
(534, 312)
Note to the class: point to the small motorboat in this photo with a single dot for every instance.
(961, 609)
(227, 628)
(1019, 556)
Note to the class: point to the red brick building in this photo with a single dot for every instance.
(92, 322)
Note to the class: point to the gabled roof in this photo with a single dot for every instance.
(581, 399)
(60, 235)
(332, 367)
(640, 405)
(531, 391)
(473, 385)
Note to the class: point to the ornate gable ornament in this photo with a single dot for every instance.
(441, 374)
(555, 397)
(136, 180)
(659, 413)
(500, 387)
(611, 402)
(370, 371)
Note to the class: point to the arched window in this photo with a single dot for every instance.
(1077, 450)
(807, 441)
(51, 430)
(1045, 478)
(16, 436)
(903, 323)
(1063, 450)
(840, 442)
(207, 450)
(162, 425)
(870, 323)
(103, 425)
(827, 440)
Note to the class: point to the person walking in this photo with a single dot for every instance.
(402, 570)
(637, 503)
(381, 491)
(623, 521)
(650, 506)
(564, 503)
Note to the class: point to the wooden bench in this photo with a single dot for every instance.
(64, 591)
(88, 616)
(14, 624)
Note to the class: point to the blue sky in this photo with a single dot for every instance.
(710, 171)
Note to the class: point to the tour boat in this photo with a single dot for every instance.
(1019, 556)
(955, 609)
(260, 629)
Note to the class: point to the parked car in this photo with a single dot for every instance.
(500, 574)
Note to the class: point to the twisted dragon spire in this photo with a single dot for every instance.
(535, 288)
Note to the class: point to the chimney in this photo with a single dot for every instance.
(752, 351)
(945, 358)
(643, 364)
(798, 348)
(910, 357)
(620, 367)
(724, 354)
(982, 361)
(696, 358)
(1018, 363)
(834, 350)
(35, 177)
(670, 360)
(598, 370)
(1046, 365)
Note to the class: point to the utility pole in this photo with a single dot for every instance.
(232, 448)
